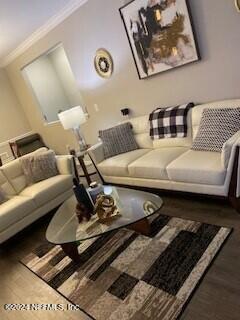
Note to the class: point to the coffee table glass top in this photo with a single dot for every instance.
(133, 206)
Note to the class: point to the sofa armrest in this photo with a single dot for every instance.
(96, 153)
(228, 148)
(65, 164)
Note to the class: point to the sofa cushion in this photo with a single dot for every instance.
(118, 166)
(5, 186)
(46, 190)
(141, 127)
(14, 174)
(201, 167)
(153, 164)
(14, 210)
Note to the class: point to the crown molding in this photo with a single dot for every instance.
(55, 20)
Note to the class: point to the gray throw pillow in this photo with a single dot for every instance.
(216, 127)
(117, 140)
(39, 166)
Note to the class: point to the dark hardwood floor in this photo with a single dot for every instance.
(217, 297)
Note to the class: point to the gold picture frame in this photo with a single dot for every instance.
(237, 4)
(103, 63)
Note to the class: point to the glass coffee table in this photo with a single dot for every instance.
(134, 209)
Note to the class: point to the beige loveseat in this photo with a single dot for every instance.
(25, 203)
(170, 163)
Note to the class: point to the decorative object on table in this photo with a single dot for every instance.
(169, 122)
(84, 206)
(118, 139)
(149, 207)
(113, 192)
(105, 207)
(237, 4)
(125, 113)
(157, 280)
(82, 212)
(160, 35)
(94, 190)
(73, 119)
(103, 63)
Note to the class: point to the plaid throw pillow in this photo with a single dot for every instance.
(117, 140)
(169, 122)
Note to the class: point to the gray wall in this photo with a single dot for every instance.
(97, 24)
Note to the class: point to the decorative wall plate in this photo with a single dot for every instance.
(237, 4)
(103, 63)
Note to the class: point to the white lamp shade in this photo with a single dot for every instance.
(72, 118)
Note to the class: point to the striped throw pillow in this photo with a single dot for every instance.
(117, 140)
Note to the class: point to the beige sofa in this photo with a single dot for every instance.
(25, 203)
(170, 163)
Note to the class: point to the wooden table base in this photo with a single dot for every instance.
(71, 250)
(141, 226)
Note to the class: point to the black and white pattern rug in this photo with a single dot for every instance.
(124, 275)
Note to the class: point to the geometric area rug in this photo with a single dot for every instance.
(125, 275)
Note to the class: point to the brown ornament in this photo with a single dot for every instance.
(82, 212)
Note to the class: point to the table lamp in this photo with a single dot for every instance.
(73, 119)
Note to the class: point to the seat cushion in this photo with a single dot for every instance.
(46, 190)
(14, 210)
(201, 167)
(153, 164)
(118, 166)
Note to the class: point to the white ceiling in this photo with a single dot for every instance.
(20, 18)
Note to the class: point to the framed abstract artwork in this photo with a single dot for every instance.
(160, 35)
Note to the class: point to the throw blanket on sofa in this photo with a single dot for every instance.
(169, 122)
